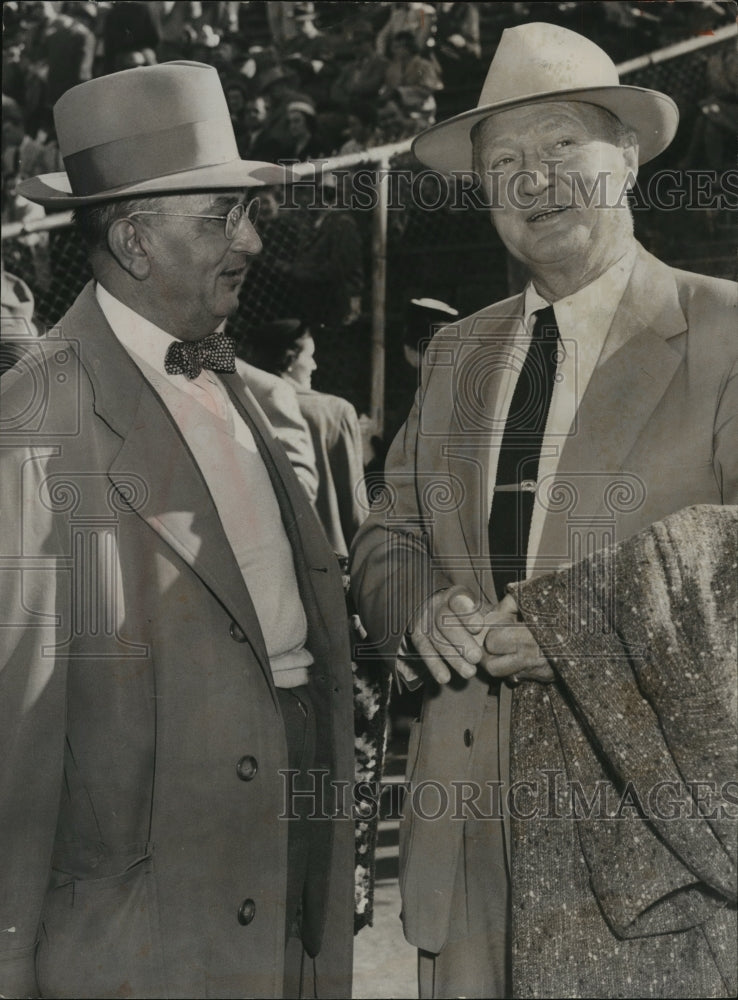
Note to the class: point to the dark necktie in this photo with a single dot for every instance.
(520, 452)
(189, 357)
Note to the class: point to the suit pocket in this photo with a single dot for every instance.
(100, 937)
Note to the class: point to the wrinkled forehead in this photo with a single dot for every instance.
(533, 119)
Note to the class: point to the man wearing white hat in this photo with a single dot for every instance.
(175, 655)
(598, 401)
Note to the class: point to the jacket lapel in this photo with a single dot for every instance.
(175, 501)
(636, 367)
(483, 362)
(310, 556)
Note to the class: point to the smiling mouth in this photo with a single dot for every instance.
(234, 273)
(549, 213)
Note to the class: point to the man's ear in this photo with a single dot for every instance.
(126, 245)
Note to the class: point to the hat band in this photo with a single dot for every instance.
(150, 156)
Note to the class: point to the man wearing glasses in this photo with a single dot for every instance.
(176, 664)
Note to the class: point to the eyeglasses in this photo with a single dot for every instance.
(232, 220)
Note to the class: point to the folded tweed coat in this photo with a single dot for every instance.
(624, 770)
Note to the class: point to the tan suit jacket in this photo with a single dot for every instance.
(135, 679)
(655, 431)
(341, 503)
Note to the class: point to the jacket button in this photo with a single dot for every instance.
(237, 633)
(246, 912)
(247, 767)
(468, 737)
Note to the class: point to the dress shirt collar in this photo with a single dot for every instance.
(590, 310)
(138, 335)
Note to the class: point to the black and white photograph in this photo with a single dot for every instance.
(369, 500)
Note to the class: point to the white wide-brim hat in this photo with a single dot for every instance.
(542, 63)
(146, 131)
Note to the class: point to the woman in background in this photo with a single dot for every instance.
(286, 347)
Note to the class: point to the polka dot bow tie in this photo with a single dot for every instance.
(215, 352)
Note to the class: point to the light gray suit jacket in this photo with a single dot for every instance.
(134, 679)
(655, 431)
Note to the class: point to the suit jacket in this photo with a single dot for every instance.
(135, 679)
(341, 503)
(279, 402)
(655, 431)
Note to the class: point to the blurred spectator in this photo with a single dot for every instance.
(361, 128)
(417, 18)
(313, 77)
(129, 28)
(254, 116)
(185, 26)
(278, 89)
(69, 48)
(16, 317)
(289, 21)
(13, 135)
(236, 98)
(302, 127)
(23, 155)
(407, 68)
(714, 135)
(457, 31)
(363, 75)
(457, 48)
(393, 123)
(286, 348)
(328, 270)
(404, 112)
(268, 206)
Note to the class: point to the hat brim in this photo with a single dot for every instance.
(653, 116)
(54, 190)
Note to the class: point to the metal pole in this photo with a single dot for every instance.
(379, 296)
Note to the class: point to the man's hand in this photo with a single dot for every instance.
(448, 633)
(452, 632)
(510, 651)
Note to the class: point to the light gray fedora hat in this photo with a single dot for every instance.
(146, 131)
(541, 63)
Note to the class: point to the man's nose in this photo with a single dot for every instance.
(535, 174)
(246, 240)
(531, 183)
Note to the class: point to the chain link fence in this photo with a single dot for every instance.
(426, 247)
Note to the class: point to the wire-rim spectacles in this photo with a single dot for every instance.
(232, 219)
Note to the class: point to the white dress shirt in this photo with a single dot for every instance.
(229, 460)
(584, 320)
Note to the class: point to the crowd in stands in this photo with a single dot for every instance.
(303, 80)
(308, 80)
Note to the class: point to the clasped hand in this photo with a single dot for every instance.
(451, 632)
